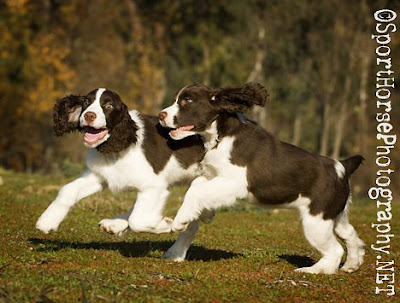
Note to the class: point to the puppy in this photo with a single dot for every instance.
(127, 151)
(243, 160)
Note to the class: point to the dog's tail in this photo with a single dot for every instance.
(351, 164)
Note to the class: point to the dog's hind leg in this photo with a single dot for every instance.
(354, 245)
(177, 252)
(319, 233)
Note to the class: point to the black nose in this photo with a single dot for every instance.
(90, 117)
(163, 115)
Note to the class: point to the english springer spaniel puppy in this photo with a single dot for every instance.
(127, 151)
(245, 161)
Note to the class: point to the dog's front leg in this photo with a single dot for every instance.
(147, 213)
(117, 225)
(68, 195)
(208, 195)
(178, 251)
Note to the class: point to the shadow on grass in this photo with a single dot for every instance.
(135, 249)
(298, 261)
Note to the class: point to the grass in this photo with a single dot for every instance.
(245, 255)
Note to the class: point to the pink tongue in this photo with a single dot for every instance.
(181, 129)
(92, 138)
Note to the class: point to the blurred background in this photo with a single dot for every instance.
(316, 58)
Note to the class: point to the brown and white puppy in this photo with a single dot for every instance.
(127, 151)
(245, 161)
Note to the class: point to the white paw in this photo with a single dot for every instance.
(115, 226)
(353, 264)
(165, 226)
(178, 226)
(52, 217)
(315, 270)
(45, 227)
(349, 268)
(47, 224)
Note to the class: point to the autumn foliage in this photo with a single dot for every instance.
(315, 57)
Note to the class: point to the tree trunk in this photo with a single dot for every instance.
(326, 128)
(256, 75)
(340, 123)
(256, 72)
(136, 26)
(362, 111)
(206, 62)
(297, 130)
(346, 98)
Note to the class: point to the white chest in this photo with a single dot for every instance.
(129, 169)
(217, 161)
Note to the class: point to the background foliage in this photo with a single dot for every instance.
(316, 58)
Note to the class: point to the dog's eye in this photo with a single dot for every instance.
(86, 102)
(185, 101)
(108, 106)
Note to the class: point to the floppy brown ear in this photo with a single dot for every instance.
(240, 99)
(66, 113)
(122, 135)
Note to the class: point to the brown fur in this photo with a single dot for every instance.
(240, 99)
(63, 111)
(122, 135)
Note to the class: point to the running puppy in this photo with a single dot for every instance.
(127, 151)
(243, 160)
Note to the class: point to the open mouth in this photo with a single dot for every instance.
(180, 130)
(93, 135)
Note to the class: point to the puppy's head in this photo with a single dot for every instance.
(196, 106)
(99, 115)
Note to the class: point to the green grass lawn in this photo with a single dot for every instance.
(245, 255)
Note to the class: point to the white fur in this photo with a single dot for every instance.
(171, 113)
(135, 116)
(319, 233)
(211, 136)
(340, 170)
(127, 170)
(99, 122)
(220, 185)
(354, 245)
(117, 225)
